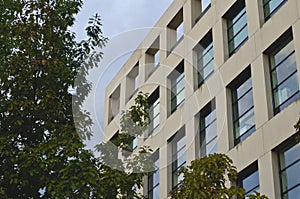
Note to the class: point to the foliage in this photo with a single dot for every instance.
(207, 177)
(41, 151)
(257, 195)
(129, 168)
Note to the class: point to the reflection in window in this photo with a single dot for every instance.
(154, 106)
(205, 58)
(289, 163)
(271, 6)
(208, 130)
(284, 80)
(153, 179)
(177, 87)
(178, 156)
(249, 179)
(237, 30)
(242, 106)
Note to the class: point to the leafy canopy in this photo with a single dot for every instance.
(208, 177)
(41, 151)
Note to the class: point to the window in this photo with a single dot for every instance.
(114, 104)
(249, 179)
(153, 58)
(271, 6)
(208, 130)
(178, 156)
(154, 106)
(199, 8)
(132, 81)
(242, 106)
(289, 164)
(237, 31)
(283, 69)
(175, 31)
(153, 179)
(204, 58)
(134, 143)
(177, 87)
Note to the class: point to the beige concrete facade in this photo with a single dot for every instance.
(271, 129)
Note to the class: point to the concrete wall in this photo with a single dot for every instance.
(270, 130)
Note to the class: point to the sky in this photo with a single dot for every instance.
(125, 23)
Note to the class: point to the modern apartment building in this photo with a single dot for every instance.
(223, 76)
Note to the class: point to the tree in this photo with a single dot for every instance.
(121, 165)
(41, 150)
(206, 178)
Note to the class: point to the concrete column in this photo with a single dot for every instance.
(268, 175)
(187, 17)
(225, 135)
(190, 135)
(142, 69)
(261, 91)
(219, 54)
(163, 175)
(253, 16)
(163, 45)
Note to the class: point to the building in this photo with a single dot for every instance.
(228, 84)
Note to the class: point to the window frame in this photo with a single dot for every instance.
(153, 102)
(205, 112)
(179, 136)
(237, 83)
(202, 49)
(286, 146)
(233, 16)
(150, 189)
(275, 48)
(271, 13)
(246, 173)
(177, 77)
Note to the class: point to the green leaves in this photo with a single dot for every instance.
(207, 178)
(39, 61)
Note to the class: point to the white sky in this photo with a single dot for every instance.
(125, 23)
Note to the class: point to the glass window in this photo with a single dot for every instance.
(289, 162)
(177, 87)
(153, 179)
(114, 104)
(242, 107)
(249, 179)
(178, 156)
(205, 4)
(271, 6)
(152, 57)
(154, 112)
(208, 130)
(205, 58)
(132, 81)
(283, 69)
(156, 58)
(201, 7)
(179, 31)
(237, 29)
(175, 31)
(134, 143)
